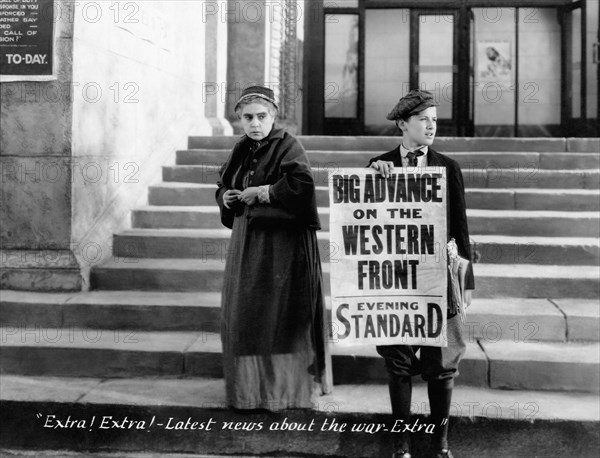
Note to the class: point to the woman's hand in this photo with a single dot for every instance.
(231, 196)
(383, 167)
(249, 195)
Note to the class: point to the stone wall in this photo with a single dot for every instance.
(78, 153)
(142, 95)
(35, 155)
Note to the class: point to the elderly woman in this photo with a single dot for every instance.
(272, 328)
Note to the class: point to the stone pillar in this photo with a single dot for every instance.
(35, 172)
(263, 50)
(247, 34)
(216, 67)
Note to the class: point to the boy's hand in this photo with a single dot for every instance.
(383, 167)
(468, 297)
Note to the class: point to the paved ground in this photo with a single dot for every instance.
(366, 399)
(4, 453)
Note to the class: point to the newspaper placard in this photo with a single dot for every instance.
(388, 268)
(26, 37)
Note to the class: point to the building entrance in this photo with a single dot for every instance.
(515, 69)
(406, 49)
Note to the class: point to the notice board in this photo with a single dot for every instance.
(26, 37)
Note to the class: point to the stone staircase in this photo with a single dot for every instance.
(144, 342)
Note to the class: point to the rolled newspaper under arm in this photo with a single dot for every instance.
(457, 266)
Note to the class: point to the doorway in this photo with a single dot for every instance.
(408, 49)
(372, 55)
(500, 71)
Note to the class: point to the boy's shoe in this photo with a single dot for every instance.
(444, 453)
(401, 454)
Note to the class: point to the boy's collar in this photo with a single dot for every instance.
(404, 151)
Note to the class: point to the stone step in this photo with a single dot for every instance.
(581, 321)
(46, 453)
(527, 320)
(202, 244)
(324, 161)
(533, 320)
(492, 280)
(134, 353)
(158, 275)
(190, 194)
(511, 365)
(191, 173)
(137, 310)
(120, 353)
(176, 217)
(182, 194)
(484, 222)
(110, 353)
(546, 179)
(362, 364)
(537, 423)
(448, 144)
(214, 244)
(538, 223)
(473, 178)
(569, 200)
(518, 365)
(360, 399)
(500, 249)
(536, 281)
(518, 320)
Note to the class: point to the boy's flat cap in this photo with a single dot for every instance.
(413, 102)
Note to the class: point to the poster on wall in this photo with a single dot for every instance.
(26, 37)
(388, 272)
(494, 62)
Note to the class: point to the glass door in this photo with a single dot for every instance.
(573, 78)
(343, 87)
(434, 66)
(387, 64)
(596, 62)
(580, 23)
(470, 128)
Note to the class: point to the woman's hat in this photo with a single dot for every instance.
(257, 91)
(412, 103)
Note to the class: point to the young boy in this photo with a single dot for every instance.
(416, 116)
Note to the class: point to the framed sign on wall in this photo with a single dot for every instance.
(27, 40)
